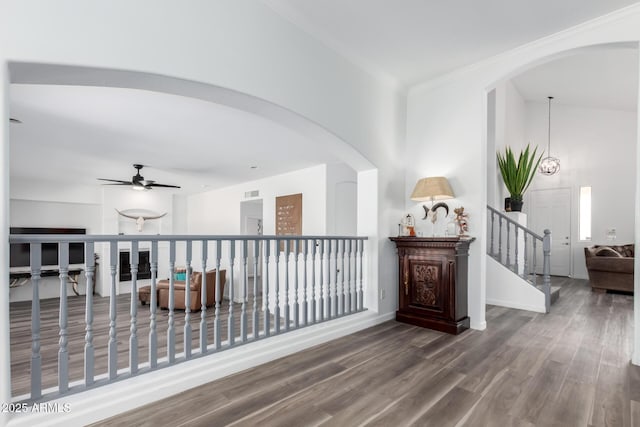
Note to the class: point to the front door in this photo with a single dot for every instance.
(551, 209)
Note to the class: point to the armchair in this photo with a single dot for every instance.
(195, 289)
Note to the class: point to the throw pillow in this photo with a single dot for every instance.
(626, 251)
(607, 251)
(181, 276)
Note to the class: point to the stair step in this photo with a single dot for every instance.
(555, 292)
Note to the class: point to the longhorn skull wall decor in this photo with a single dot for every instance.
(140, 219)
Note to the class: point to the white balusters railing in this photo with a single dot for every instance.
(518, 250)
(262, 286)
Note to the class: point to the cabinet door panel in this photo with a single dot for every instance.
(429, 288)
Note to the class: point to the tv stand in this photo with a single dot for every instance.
(21, 275)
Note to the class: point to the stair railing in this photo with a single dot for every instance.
(518, 249)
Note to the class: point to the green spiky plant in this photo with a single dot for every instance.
(518, 176)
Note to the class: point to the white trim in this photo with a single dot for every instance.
(112, 399)
(480, 326)
(511, 304)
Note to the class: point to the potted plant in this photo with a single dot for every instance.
(517, 176)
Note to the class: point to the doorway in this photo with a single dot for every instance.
(551, 209)
(251, 225)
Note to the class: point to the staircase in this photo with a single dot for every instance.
(519, 250)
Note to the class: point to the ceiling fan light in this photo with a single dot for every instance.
(138, 187)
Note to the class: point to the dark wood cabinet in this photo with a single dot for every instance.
(433, 282)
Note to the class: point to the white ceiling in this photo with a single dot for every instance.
(595, 78)
(80, 133)
(415, 40)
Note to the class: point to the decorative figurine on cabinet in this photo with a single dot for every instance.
(461, 220)
(409, 224)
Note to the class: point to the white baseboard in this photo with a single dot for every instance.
(511, 304)
(103, 402)
(480, 326)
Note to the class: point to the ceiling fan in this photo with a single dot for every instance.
(138, 182)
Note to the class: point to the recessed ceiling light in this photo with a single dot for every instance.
(12, 120)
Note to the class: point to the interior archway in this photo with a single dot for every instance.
(492, 173)
(50, 74)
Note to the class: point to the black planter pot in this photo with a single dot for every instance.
(516, 205)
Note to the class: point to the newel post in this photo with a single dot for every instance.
(546, 269)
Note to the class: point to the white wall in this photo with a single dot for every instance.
(510, 117)
(180, 214)
(445, 127)
(596, 148)
(27, 189)
(218, 211)
(342, 197)
(31, 213)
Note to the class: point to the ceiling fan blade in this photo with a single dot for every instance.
(118, 181)
(137, 181)
(162, 185)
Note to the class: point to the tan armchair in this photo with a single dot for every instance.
(195, 287)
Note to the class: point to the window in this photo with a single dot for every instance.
(585, 213)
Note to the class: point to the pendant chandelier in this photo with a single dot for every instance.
(549, 165)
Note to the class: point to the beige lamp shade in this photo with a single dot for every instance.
(434, 188)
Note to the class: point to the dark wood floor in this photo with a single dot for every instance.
(567, 368)
(20, 313)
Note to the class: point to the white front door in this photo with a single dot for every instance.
(551, 209)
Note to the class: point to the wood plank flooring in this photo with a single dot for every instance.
(20, 313)
(567, 368)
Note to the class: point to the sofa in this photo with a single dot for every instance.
(195, 286)
(610, 267)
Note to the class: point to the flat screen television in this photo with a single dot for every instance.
(19, 253)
